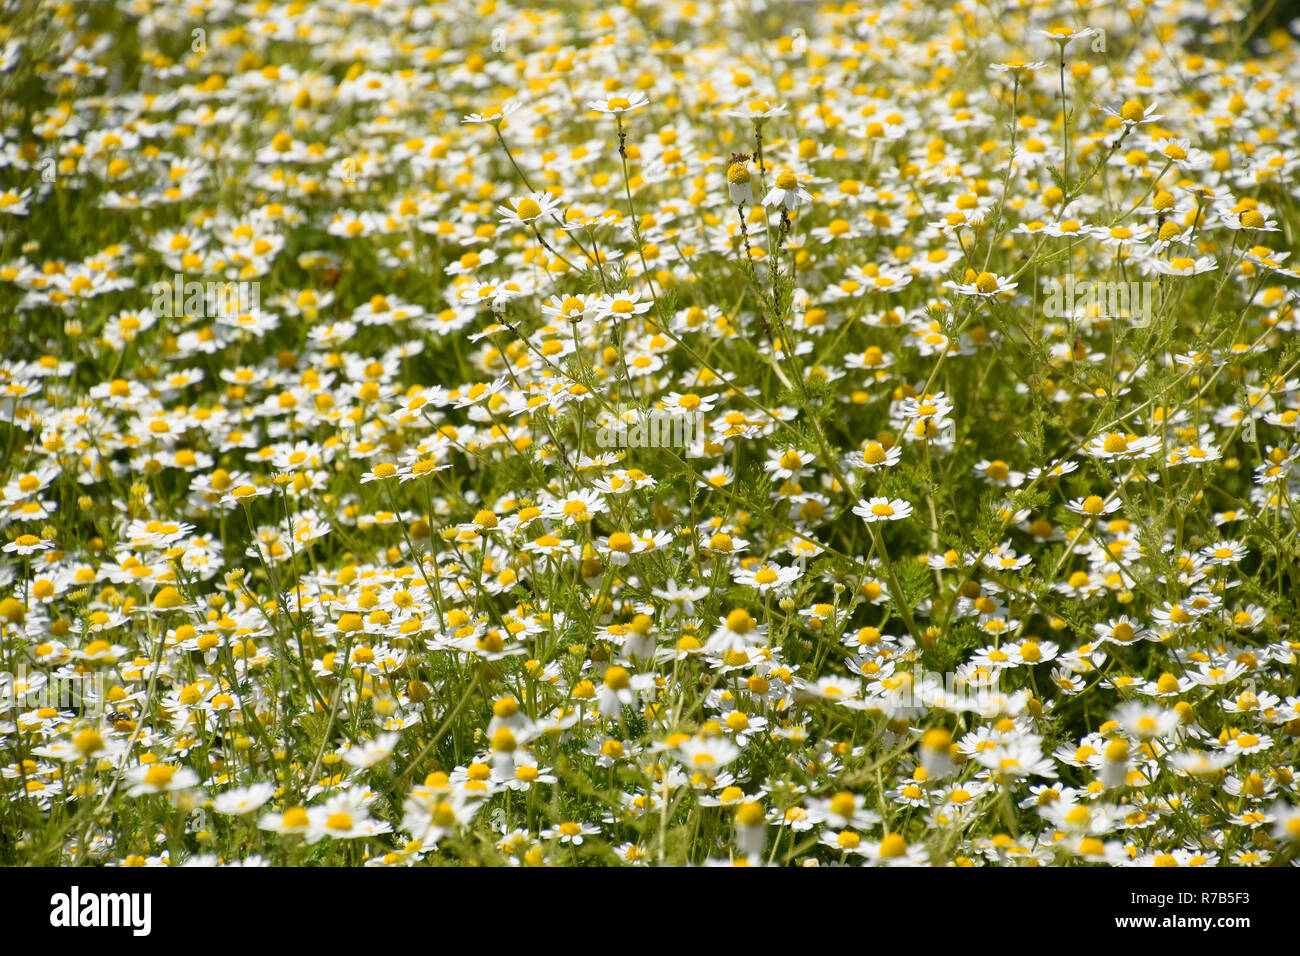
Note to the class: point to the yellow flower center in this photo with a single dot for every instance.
(160, 775)
(739, 621)
(893, 845)
(295, 818)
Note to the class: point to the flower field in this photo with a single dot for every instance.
(648, 433)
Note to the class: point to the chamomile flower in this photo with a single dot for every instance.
(1122, 446)
(528, 209)
(872, 510)
(160, 777)
(243, 800)
(619, 103)
(983, 284)
(766, 577)
(707, 755)
(740, 190)
(1134, 113)
(787, 192)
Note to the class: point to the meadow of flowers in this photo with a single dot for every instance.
(333, 533)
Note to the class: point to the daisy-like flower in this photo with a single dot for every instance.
(1287, 821)
(841, 690)
(1146, 722)
(707, 755)
(1132, 113)
(345, 816)
(27, 544)
(619, 689)
(719, 476)
(1183, 266)
(549, 545)
(1057, 469)
(1033, 651)
(740, 189)
(160, 778)
(874, 457)
(1272, 261)
(787, 193)
(620, 306)
(493, 115)
(421, 468)
(1121, 630)
(1094, 506)
(384, 471)
(688, 402)
(437, 807)
(495, 295)
(1209, 675)
(984, 285)
(738, 631)
(787, 463)
(1250, 218)
(1063, 36)
(569, 308)
(570, 832)
(1067, 228)
(620, 546)
(679, 600)
(619, 103)
(526, 211)
(580, 505)
(1225, 553)
(293, 822)
(872, 510)
(1016, 757)
(1120, 237)
(1248, 743)
(243, 800)
(993, 658)
(894, 850)
(242, 494)
(1185, 156)
(15, 203)
(1123, 446)
(758, 110)
(766, 577)
(370, 753)
(997, 473)
(526, 773)
(842, 811)
(1017, 67)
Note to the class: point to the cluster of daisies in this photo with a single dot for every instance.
(319, 317)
